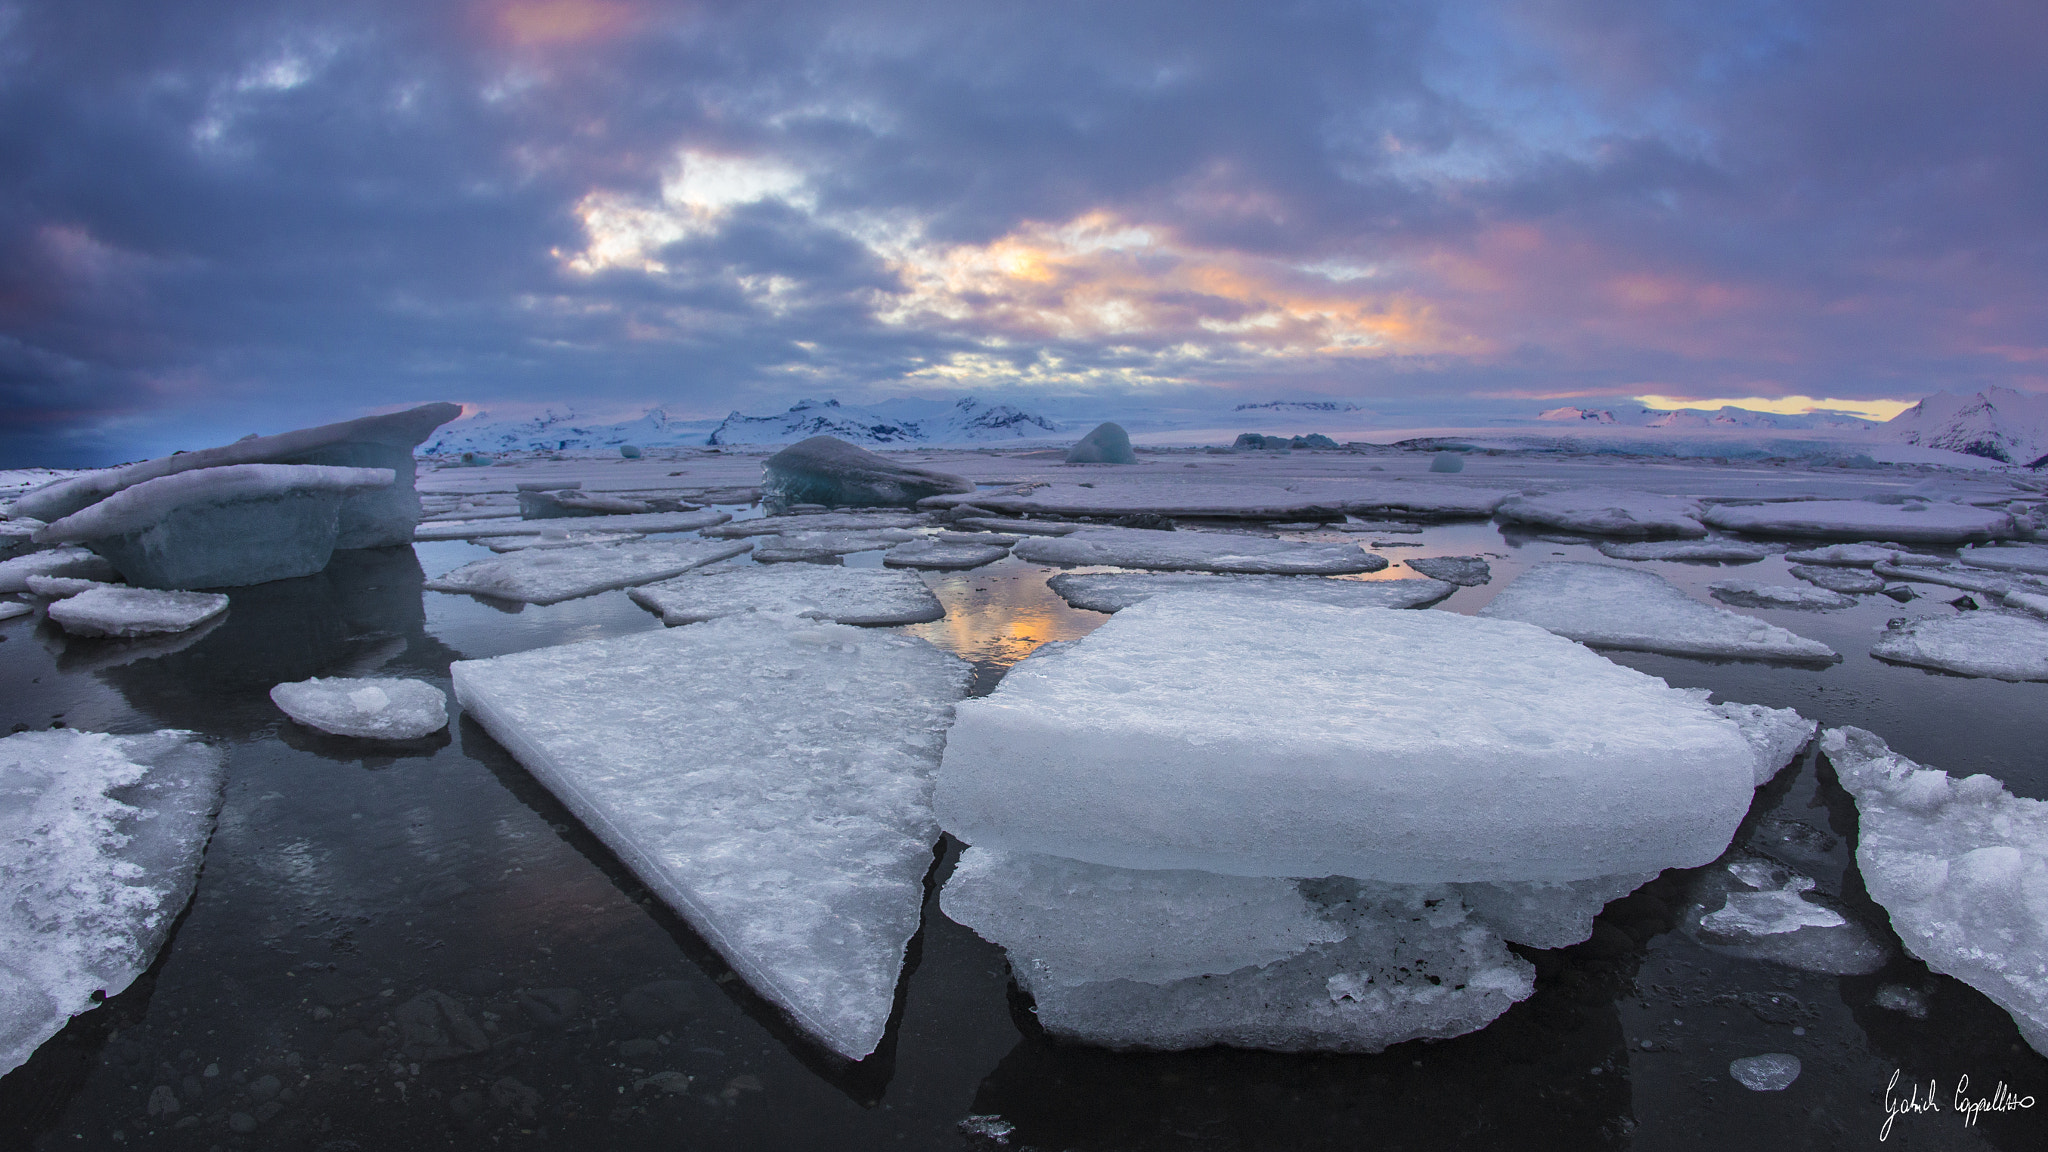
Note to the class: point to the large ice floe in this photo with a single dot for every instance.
(784, 811)
(1115, 591)
(1697, 551)
(1198, 552)
(1606, 512)
(549, 576)
(950, 551)
(797, 546)
(1999, 645)
(1962, 868)
(2008, 557)
(100, 842)
(1910, 521)
(1760, 594)
(540, 530)
(110, 610)
(1628, 608)
(826, 470)
(382, 708)
(841, 595)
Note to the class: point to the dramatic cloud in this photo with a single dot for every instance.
(223, 216)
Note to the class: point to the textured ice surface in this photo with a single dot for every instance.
(562, 540)
(1718, 551)
(1759, 910)
(1464, 571)
(824, 545)
(113, 611)
(641, 522)
(820, 522)
(843, 595)
(1019, 527)
(1961, 866)
(81, 563)
(58, 587)
(1775, 735)
(1411, 747)
(1550, 914)
(1967, 579)
(567, 504)
(2031, 602)
(829, 471)
(1192, 494)
(1629, 608)
(376, 709)
(769, 778)
(100, 842)
(9, 609)
(1606, 512)
(947, 554)
(1107, 444)
(1838, 579)
(18, 536)
(2008, 558)
(1758, 594)
(1115, 591)
(551, 575)
(1845, 555)
(2000, 645)
(1198, 551)
(1912, 522)
(1770, 1072)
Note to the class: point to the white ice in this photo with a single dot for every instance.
(1197, 551)
(58, 587)
(563, 540)
(1995, 644)
(1197, 494)
(1837, 579)
(1846, 555)
(792, 546)
(842, 595)
(1910, 522)
(114, 611)
(961, 552)
(9, 609)
(1719, 551)
(1606, 512)
(1115, 591)
(81, 563)
(1962, 868)
(1629, 608)
(769, 778)
(2008, 558)
(376, 709)
(100, 843)
(551, 575)
(1758, 909)
(641, 522)
(1759, 594)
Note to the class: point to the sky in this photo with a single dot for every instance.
(219, 217)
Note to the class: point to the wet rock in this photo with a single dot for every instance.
(242, 1122)
(551, 1007)
(264, 1089)
(657, 1007)
(511, 1094)
(352, 1047)
(337, 991)
(466, 1106)
(433, 1026)
(163, 1102)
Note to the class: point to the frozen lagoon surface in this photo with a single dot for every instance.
(443, 872)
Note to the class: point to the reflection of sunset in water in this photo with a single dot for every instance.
(999, 614)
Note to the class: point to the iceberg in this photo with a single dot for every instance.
(1629, 608)
(1910, 522)
(1697, 551)
(110, 610)
(1115, 591)
(551, 575)
(1838, 579)
(74, 563)
(1107, 444)
(1197, 551)
(951, 551)
(644, 522)
(375, 709)
(782, 808)
(825, 470)
(1464, 571)
(100, 842)
(1757, 594)
(843, 595)
(1999, 645)
(1606, 512)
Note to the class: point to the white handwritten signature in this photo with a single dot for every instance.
(1913, 1104)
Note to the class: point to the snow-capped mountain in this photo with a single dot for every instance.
(1997, 424)
(562, 428)
(1595, 416)
(965, 421)
(1724, 418)
(1294, 406)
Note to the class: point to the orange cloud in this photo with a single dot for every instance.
(532, 23)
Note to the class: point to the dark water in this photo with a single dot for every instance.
(353, 887)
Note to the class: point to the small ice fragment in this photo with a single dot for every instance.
(1838, 579)
(1770, 1072)
(1464, 571)
(381, 709)
(1899, 998)
(111, 610)
(1911, 523)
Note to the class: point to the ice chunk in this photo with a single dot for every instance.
(1197, 551)
(551, 575)
(1760, 910)
(1447, 462)
(1966, 579)
(1699, 551)
(1846, 555)
(375, 709)
(17, 537)
(1108, 444)
(2008, 558)
(1899, 998)
(768, 778)
(1770, 1072)
(1757, 594)
(1547, 914)
(1464, 571)
(9, 609)
(1912, 522)
(1775, 735)
(1962, 868)
(829, 471)
(2034, 602)
(1838, 579)
(58, 587)
(100, 842)
(1115, 591)
(113, 611)
(824, 545)
(820, 522)
(80, 563)
(563, 540)
(955, 553)
(1498, 752)
(641, 522)
(1019, 527)
(569, 503)
(1632, 609)
(1999, 645)
(1606, 512)
(844, 595)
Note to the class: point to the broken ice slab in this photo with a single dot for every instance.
(1696, 551)
(1910, 522)
(1464, 571)
(1499, 752)
(1961, 866)
(1774, 735)
(1846, 555)
(1758, 909)
(1197, 552)
(81, 563)
(1547, 914)
(382, 708)
(1186, 496)
(1968, 580)
(1759, 594)
(110, 610)
(100, 842)
(799, 546)
(1019, 527)
(948, 555)
(1838, 579)
(551, 575)
(1115, 591)
(770, 779)
(9, 609)
(1628, 608)
(1606, 512)
(17, 536)
(2007, 557)
(870, 596)
(819, 522)
(1997, 645)
(59, 587)
(829, 471)
(644, 522)
(563, 540)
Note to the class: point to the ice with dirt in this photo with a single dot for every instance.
(1961, 866)
(100, 843)
(1628, 608)
(1760, 594)
(111, 610)
(1115, 591)
(1999, 645)
(1606, 512)
(1197, 552)
(769, 777)
(843, 595)
(1909, 521)
(829, 471)
(1499, 752)
(551, 575)
(381, 708)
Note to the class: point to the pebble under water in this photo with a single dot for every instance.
(414, 945)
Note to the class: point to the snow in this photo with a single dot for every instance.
(100, 843)
(114, 611)
(1115, 591)
(1962, 868)
(551, 575)
(768, 777)
(822, 470)
(1697, 551)
(1911, 522)
(1629, 608)
(1999, 645)
(1107, 444)
(1197, 551)
(80, 563)
(1757, 594)
(825, 545)
(1498, 752)
(1758, 909)
(956, 553)
(644, 522)
(1464, 571)
(843, 595)
(820, 522)
(1997, 423)
(375, 709)
(1606, 512)
(1838, 579)
(2008, 558)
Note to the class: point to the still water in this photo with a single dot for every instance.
(358, 900)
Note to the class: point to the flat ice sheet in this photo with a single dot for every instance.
(950, 555)
(76, 562)
(1629, 608)
(1606, 512)
(2008, 558)
(1197, 551)
(842, 595)
(769, 778)
(1144, 489)
(1913, 522)
(1698, 551)
(1115, 591)
(1498, 751)
(110, 610)
(824, 545)
(1761, 594)
(643, 522)
(1999, 645)
(819, 522)
(548, 576)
